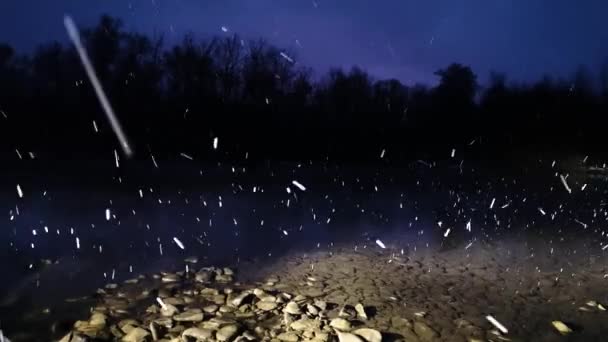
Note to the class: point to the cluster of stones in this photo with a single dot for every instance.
(208, 306)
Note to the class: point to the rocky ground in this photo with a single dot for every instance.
(482, 293)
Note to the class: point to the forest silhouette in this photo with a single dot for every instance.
(260, 103)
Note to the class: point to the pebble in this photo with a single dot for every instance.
(223, 278)
(288, 337)
(227, 309)
(305, 324)
(259, 293)
(360, 311)
(370, 335)
(227, 332)
(425, 332)
(312, 310)
(198, 333)
(321, 304)
(136, 335)
(292, 308)
(189, 316)
(340, 324)
(98, 320)
(202, 277)
(561, 327)
(169, 278)
(266, 306)
(168, 310)
(210, 308)
(238, 300)
(347, 337)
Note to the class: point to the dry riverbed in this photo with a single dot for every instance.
(483, 293)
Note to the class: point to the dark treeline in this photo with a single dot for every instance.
(257, 100)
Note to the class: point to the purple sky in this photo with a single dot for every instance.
(404, 39)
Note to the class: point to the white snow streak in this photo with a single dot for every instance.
(299, 185)
(179, 243)
(284, 55)
(380, 243)
(70, 26)
(565, 183)
(497, 324)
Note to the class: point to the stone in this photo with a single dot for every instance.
(308, 334)
(370, 335)
(208, 291)
(210, 308)
(136, 335)
(189, 316)
(219, 299)
(269, 298)
(169, 278)
(248, 336)
(287, 318)
(228, 271)
(288, 337)
(223, 278)
(227, 332)
(400, 322)
(174, 301)
(321, 337)
(305, 324)
(126, 328)
(561, 327)
(266, 306)
(87, 329)
(292, 308)
(300, 299)
(168, 310)
(259, 331)
(312, 310)
(321, 304)
(259, 293)
(347, 312)
(244, 315)
(361, 311)
(425, 332)
(166, 322)
(116, 332)
(347, 337)
(238, 300)
(313, 292)
(98, 320)
(227, 309)
(70, 337)
(203, 277)
(198, 333)
(340, 324)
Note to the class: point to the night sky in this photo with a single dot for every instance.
(404, 39)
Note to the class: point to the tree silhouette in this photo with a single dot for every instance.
(262, 102)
